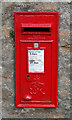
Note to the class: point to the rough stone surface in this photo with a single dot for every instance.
(8, 62)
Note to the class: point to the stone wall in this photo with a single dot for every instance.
(8, 62)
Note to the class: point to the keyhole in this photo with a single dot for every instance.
(27, 76)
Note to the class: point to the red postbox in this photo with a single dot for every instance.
(36, 59)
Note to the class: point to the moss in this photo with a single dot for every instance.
(12, 34)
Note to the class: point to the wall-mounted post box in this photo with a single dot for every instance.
(36, 59)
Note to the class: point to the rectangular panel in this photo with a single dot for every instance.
(36, 86)
(36, 60)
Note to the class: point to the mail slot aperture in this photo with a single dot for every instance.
(36, 29)
(36, 59)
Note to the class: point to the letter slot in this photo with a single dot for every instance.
(36, 29)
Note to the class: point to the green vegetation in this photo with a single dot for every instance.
(12, 34)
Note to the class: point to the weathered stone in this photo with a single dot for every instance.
(0, 92)
(6, 93)
(65, 33)
(57, 116)
(64, 93)
(6, 32)
(9, 7)
(6, 104)
(23, 111)
(45, 6)
(65, 49)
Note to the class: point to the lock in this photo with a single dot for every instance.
(36, 59)
(27, 76)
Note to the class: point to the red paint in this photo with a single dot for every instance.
(36, 89)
